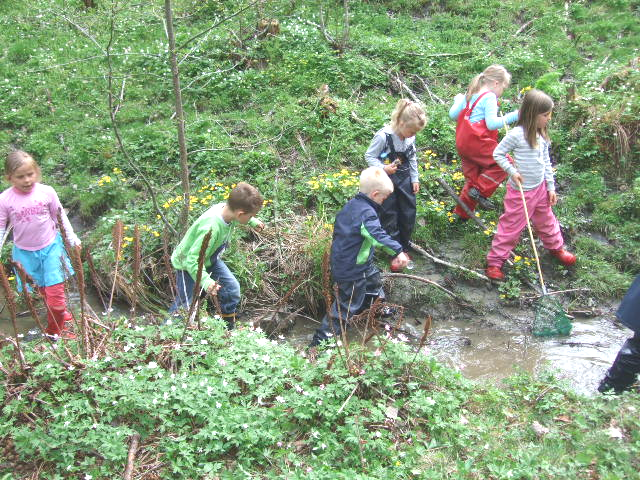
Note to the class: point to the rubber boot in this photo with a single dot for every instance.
(52, 322)
(622, 374)
(566, 258)
(494, 273)
(230, 320)
(483, 202)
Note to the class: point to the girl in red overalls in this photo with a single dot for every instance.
(477, 136)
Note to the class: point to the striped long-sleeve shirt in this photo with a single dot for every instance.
(533, 164)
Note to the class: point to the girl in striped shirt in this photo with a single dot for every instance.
(529, 142)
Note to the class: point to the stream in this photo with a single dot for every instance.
(485, 351)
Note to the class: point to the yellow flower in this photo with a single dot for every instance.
(517, 258)
(155, 234)
(487, 232)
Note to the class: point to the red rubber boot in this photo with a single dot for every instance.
(566, 258)
(494, 273)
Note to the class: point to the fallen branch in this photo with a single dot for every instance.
(133, 449)
(403, 86)
(424, 253)
(431, 282)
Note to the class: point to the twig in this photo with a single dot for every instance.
(423, 252)
(404, 86)
(133, 449)
(521, 29)
(431, 94)
(430, 282)
(349, 397)
(533, 297)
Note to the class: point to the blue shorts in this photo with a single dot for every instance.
(48, 266)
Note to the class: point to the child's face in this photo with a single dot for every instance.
(407, 131)
(543, 119)
(24, 178)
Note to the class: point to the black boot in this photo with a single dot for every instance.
(230, 320)
(483, 202)
(622, 374)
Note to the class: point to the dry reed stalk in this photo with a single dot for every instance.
(195, 298)
(425, 333)
(326, 279)
(116, 241)
(76, 262)
(11, 302)
(136, 268)
(166, 259)
(131, 456)
(95, 279)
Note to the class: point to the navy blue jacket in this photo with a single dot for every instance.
(629, 309)
(356, 232)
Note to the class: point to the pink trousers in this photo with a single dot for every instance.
(512, 222)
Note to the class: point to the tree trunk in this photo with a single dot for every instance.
(184, 166)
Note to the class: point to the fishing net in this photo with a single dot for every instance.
(551, 318)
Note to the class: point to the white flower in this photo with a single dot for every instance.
(266, 358)
(152, 365)
(203, 342)
(218, 405)
(280, 399)
(245, 426)
(222, 362)
(285, 371)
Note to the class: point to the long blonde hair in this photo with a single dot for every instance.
(408, 113)
(17, 159)
(493, 73)
(535, 103)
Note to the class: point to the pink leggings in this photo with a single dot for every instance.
(57, 313)
(513, 221)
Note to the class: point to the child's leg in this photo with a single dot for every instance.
(406, 211)
(625, 368)
(470, 170)
(389, 215)
(351, 297)
(544, 221)
(58, 316)
(510, 226)
(490, 179)
(184, 293)
(229, 293)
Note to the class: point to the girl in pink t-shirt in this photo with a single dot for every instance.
(33, 210)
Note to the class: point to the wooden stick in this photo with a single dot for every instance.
(424, 253)
(133, 449)
(430, 282)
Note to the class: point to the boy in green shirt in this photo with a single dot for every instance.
(243, 203)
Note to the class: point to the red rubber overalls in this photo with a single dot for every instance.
(475, 144)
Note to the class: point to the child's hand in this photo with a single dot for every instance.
(553, 198)
(259, 227)
(391, 168)
(402, 260)
(416, 187)
(516, 177)
(213, 289)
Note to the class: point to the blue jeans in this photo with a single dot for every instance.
(228, 295)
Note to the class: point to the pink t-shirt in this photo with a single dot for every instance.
(34, 217)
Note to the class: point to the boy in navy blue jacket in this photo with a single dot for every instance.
(356, 231)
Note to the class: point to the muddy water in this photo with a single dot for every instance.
(489, 354)
(25, 322)
(486, 349)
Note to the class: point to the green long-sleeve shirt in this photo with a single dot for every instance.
(185, 256)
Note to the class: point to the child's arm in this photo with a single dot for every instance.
(491, 118)
(413, 170)
(548, 173)
(256, 224)
(508, 144)
(459, 102)
(372, 229)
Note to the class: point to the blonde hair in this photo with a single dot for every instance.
(17, 159)
(246, 198)
(375, 178)
(493, 73)
(408, 113)
(535, 103)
